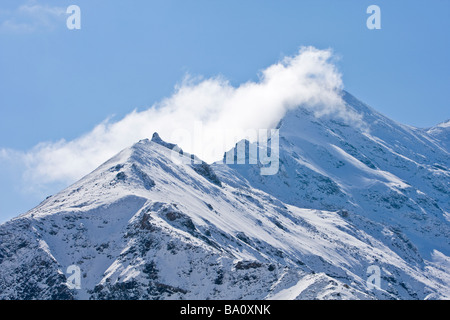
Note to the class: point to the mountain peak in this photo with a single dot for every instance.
(441, 132)
(157, 139)
(444, 124)
(146, 223)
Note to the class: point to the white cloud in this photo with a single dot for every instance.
(308, 79)
(31, 17)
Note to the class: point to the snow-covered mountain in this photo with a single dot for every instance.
(379, 169)
(442, 133)
(346, 198)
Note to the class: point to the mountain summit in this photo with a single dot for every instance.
(346, 199)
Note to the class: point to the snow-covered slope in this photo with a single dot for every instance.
(145, 226)
(442, 133)
(387, 172)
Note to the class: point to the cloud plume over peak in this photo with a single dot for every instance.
(205, 117)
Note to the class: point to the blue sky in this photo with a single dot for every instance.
(58, 84)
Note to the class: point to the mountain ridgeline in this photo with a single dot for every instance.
(346, 199)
